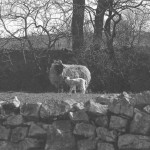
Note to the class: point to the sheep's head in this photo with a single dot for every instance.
(66, 78)
(57, 62)
(58, 65)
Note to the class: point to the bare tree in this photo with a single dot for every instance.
(56, 26)
(47, 17)
(17, 14)
(107, 15)
(77, 26)
(99, 23)
(128, 31)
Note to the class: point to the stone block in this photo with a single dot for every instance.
(4, 145)
(84, 129)
(54, 109)
(136, 142)
(86, 144)
(18, 134)
(102, 121)
(78, 106)
(45, 113)
(147, 109)
(30, 111)
(30, 144)
(36, 131)
(79, 116)
(3, 115)
(11, 107)
(141, 99)
(26, 144)
(105, 146)
(121, 106)
(140, 123)
(14, 120)
(62, 126)
(4, 133)
(106, 135)
(71, 103)
(95, 108)
(59, 108)
(118, 123)
(16, 102)
(59, 140)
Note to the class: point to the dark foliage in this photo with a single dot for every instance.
(21, 76)
(131, 74)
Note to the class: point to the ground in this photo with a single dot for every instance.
(42, 97)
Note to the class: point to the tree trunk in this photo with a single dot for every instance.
(99, 20)
(77, 26)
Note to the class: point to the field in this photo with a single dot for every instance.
(43, 97)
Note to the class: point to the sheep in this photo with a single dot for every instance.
(77, 82)
(59, 70)
(55, 75)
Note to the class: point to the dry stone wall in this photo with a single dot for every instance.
(121, 122)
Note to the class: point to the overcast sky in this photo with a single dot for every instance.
(13, 25)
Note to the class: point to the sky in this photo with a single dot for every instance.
(53, 17)
(12, 25)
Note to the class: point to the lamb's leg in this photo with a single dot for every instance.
(75, 89)
(83, 88)
(83, 91)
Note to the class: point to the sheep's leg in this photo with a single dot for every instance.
(62, 89)
(71, 89)
(75, 89)
(83, 89)
(59, 88)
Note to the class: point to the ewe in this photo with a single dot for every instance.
(55, 75)
(77, 82)
(59, 70)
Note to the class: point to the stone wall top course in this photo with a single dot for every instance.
(108, 122)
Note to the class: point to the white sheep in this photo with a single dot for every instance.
(59, 70)
(77, 82)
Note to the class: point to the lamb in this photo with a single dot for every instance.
(77, 82)
(59, 70)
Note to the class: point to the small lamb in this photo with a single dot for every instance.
(77, 82)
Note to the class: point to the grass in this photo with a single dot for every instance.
(43, 97)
